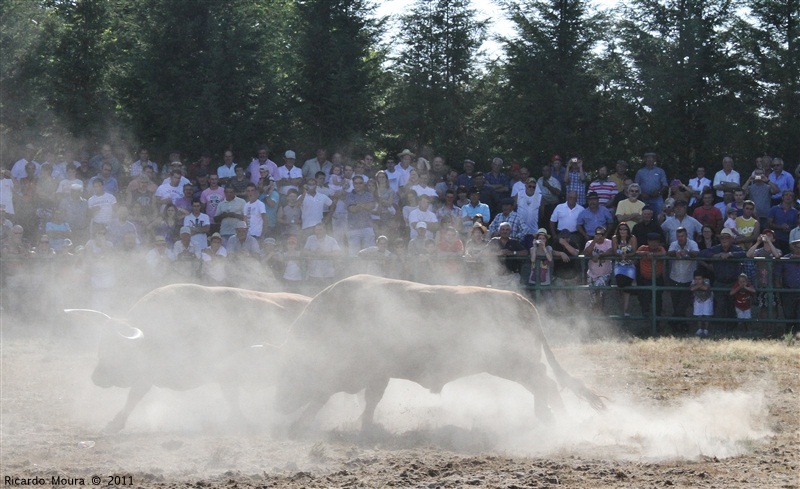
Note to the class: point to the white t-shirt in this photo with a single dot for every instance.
(285, 173)
(565, 217)
(167, 191)
(105, 205)
(416, 216)
(252, 214)
(720, 177)
(200, 240)
(324, 267)
(528, 208)
(313, 208)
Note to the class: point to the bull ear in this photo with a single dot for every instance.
(124, 329)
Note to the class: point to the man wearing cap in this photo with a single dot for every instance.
(227, 170)
(241, 243)
(518, 228)
(653, 182)
(475, 206)
(681, 220)
(528, 203)
(230, 213)
(726, 267)
(788, 277)
(405, 158)
(727, 178)
(214, 257)
(289, 175)
(261, 161)
(565, 216)
(319, 163)
(594, 216)
(604, 187)
(185, 249)
(644, 277)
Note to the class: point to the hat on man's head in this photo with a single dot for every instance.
(76, 186)
(270, 241)
(555, 158)
(592, 195)
(542, 231)
(406, 152)
(186, 230)
(240, 225)
(215, 236)
(726, 232)
(768, 231)
(422, 225)
(160, 239)
(263, 168)
(289, 154)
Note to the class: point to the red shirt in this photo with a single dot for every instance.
(646, 264)
(709, 217)
(742, 298)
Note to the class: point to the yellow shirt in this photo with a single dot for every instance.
(628, 207)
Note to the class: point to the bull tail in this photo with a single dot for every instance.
(565, 379)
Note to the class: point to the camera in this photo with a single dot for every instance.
(537, 242)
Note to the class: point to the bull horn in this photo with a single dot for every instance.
(136, 332)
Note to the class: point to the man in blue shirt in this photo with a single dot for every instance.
(653, 181)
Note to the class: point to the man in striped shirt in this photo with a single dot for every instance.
(606, 188)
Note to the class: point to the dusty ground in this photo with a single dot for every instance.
(682, 413)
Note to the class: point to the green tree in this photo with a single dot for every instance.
(695, 102)
(771, 44)
(549, 95)
(431, 102)
(339, 59)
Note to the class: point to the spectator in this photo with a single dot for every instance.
(449, 183)
(318, 163)
(106, 156)
(255, 214)
(703, 302)
(474, 267)
(101, 206)
(388, 206)
(487, 193)
(214, 258)
(498, 180)
(321, 252)
(707, 214)
(262, 162)
(211, 198)
(380, 261)
(118, 228)
(184, 204)
(760, 190)
(783, 180)
(681, 273)
(227, 170)
(71, 178)
(575, 180)
(360, 204)
(681, 220)
(795, 232)
(598, 275)
(747, 226)
(508, 250)
(549, 187)
(423, 214)
(620, 177)
(528, 202)
(743, 292)
(648, 269)
(158, 260)
(59, 232)
(557, 169)
(623, 246)
(542, 264)
(605, 188)
(137, 167)
(141, 190)
(391, 173)
(462, 197)
(241, 244)
(518, 227)
(652, 182)
(646, 226)
(290, 177)
(594, 216)
(167, 225)
(630, 209)
(465, 178)
(565, 216)
(698, 185)
(171, 191)
(764, 248)
(404, 167)
(726, 267)
(474, 207)
(708, 239)
(788, 274)
(313, 205)
(229, 213)
(727, 200)
(271, 199)
(727, 178)
(449, 252)
(781, 218)
(679, 191)
(199, 225)
(668, 211)
(239, 182)
(730, 222)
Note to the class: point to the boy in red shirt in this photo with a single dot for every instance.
(743, 292)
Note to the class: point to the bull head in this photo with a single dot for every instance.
(123, 328)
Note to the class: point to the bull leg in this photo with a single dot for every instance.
(135, 395)
(303, 424)
(231, 394)
(544, 390)
(372, 395)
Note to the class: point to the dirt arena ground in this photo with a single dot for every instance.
(681, 413)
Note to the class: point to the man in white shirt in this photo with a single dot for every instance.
(228, 169)
(199, 224)
(565, 216)
(101, 205)
(423, 213)
(313, 205)
(727, 178)
(255, 213)
(168, 193)
(698, 184)
(289, 176)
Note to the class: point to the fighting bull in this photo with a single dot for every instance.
(183, 336)
(364, 330)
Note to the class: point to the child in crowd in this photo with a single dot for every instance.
(703, 302)
(730, 222)
(743, 292)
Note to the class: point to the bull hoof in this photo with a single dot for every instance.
(113, 427)
(545, 416)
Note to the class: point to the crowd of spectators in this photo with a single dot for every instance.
(300, 226)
